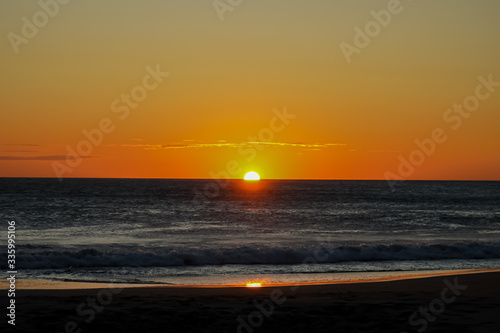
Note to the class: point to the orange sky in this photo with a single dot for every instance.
(229, 82)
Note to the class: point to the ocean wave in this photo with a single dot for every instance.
(162, 257)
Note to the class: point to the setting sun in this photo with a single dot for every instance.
(252, 176)
(254, 284)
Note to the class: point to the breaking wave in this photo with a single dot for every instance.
(39, 258)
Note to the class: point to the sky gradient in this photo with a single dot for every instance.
(268, 89)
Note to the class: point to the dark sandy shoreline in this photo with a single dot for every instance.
(461, 302)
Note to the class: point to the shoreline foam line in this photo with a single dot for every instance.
(39, 284)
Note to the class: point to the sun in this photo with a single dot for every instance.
(252, 176)
(253, 284)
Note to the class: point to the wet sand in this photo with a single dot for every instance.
(462, 301)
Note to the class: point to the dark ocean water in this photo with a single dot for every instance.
(133, 230)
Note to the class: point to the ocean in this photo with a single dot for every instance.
(159, 231)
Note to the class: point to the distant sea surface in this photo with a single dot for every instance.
(161, 231)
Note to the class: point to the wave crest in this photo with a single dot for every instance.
(162, 257)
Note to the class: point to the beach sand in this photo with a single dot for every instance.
(462, 301)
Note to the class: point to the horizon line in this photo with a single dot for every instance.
(218, 179)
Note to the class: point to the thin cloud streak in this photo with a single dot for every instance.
(232, 145)
(38, 158)
(20, 144)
